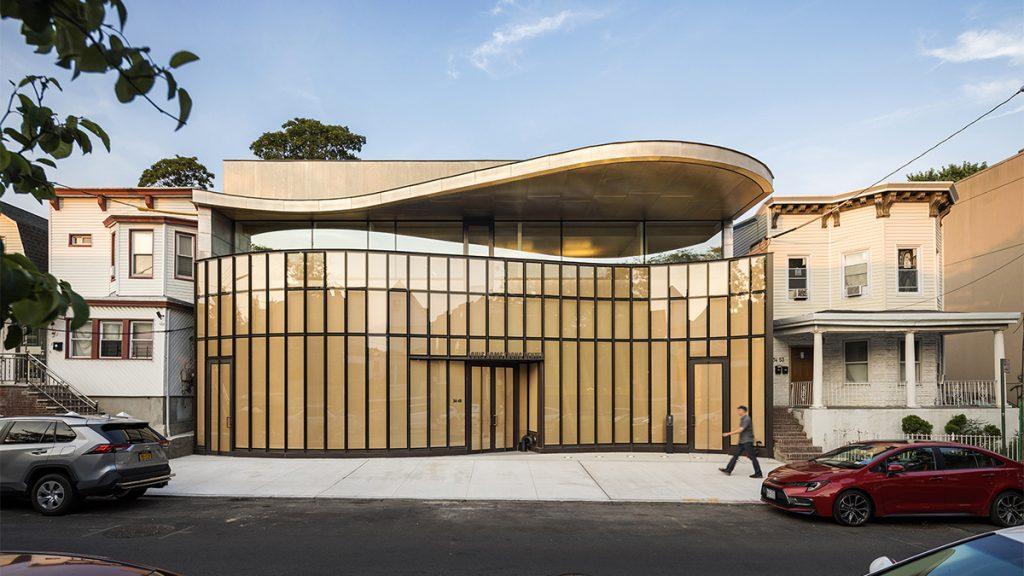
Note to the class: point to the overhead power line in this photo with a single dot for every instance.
(901, 167)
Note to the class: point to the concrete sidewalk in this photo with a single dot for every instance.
(635, 477)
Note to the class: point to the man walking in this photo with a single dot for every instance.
(746, 432)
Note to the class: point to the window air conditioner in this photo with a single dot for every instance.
(798, 293)
(852, 291)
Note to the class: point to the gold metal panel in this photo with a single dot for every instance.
(738, 382)
(569, 321)
(276, 390)
(757, 378)
(314, 311)
(356, 273)
(641, 393)
(719, 317)
(398, 271)
(295, 270)
(457, 403)
(551, 324)
(276, 311)
(296, 386)
(398, 421)
(677, 279)
(241, 403)
(438, 403)
(258, 382)
(397, 312)
(417, 312)
(640, 311)
(417, 272)
(496, 313)
(335, 266)
(570, 397)
(677, 390)
(315, 270)
(623, 373)
(438, 273)
(718, 278)
(417, 403)
(377, 270)
(336, 310)
(224, 408)
(498, 416)
(552, 376)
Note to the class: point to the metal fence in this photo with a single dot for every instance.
(991, 443)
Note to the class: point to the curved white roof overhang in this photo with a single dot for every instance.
(649, 180)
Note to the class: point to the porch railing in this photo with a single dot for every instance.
(966, 393)
(875, 394)
(27, 370)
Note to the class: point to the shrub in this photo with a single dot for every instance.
(991, 430)
(914, 424)
(962, 425)
(956, 424)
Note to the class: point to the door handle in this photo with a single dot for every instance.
(935, 479)
(39, 451)
(988, 475)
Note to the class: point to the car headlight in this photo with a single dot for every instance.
(812, 486)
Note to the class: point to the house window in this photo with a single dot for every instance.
(184, 253)
(855, 274)
(81, 342)
(110, 339)
(906, 269)
(80, 240)
(113, 256)
(797, 276)
(142, 340)
(140, 244)
(855, 357)
(902, 346)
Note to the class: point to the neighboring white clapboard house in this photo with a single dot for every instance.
(129, 252)
(858, 297)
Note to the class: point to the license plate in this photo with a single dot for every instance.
(143, 456)
(769, 493)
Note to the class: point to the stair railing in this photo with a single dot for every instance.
(31, 371)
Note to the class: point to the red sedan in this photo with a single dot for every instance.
(878, 478)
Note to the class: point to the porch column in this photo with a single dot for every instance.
(910, 370)
(818, 378)
(727, 249)
(999, 352)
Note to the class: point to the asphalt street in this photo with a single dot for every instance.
(217, 536)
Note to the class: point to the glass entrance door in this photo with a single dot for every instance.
(218, 398)
(707, 387)
(492, 406)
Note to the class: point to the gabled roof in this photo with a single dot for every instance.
(33, 230)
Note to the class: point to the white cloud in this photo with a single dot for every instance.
(984, 91)
(501, 5)
(505, 42)
(975, 45)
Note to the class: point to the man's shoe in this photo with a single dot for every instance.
(757, 475)
(725, 471)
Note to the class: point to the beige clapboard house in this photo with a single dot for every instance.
(859, 295)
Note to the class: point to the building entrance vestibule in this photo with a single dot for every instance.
(498, 404)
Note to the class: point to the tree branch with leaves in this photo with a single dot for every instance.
(88, 37)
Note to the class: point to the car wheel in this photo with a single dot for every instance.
(53, 495)
(852, 508)
(130, 494)
(1008, 509)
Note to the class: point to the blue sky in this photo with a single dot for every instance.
(830, 95)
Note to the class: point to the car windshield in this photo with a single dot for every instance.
(852, 456)
(991, 555)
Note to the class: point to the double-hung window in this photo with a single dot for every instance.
(907, 270)
(81, 342)
(142, 339)
(141, 246)
(903, 360)
(855, 274)
(184, 253)
(855, 357)
(110, 339)
(797, 277)
(80, 240)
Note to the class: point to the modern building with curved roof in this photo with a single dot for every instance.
(405, 307)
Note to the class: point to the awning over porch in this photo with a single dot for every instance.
(896, 321)
(905, 322)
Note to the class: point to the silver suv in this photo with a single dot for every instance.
(55, 460)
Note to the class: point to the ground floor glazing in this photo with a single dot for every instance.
(354, 352)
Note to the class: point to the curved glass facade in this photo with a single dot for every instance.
(334, 352)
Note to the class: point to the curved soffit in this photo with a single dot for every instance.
(629, 180)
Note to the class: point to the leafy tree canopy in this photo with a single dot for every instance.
(952, 172)
(88, 37)
(308, 139)
(177, 172)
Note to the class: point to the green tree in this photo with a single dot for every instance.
(951, 172)
(308, 139)
(177, 172)
(88, 37)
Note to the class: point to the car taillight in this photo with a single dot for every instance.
(164, 442)
(108, 448)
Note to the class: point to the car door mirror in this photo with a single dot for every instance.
(880, 563)
(894, 469)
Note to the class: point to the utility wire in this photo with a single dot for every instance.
(902, 166)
